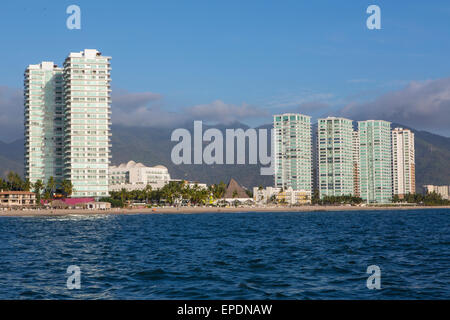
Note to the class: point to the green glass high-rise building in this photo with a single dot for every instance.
(335, 157)
(293, 151)
(67, 122)
(43, 100)
(87, 113)
(375, 158)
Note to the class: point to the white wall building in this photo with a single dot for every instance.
(191, 184)
(136, 176)
(294, 197)
(262, 196)
(87, 113)
(444, 191)
(403, 162)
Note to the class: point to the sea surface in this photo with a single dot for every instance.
(291, 255)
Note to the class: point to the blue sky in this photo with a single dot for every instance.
(240, 57)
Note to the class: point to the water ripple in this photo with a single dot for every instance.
(292, 255)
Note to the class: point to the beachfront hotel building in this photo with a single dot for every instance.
(17, 199)
(375, 159)
(443, 191)
(335, 157)
(43, 114)
(67, 122)
(136, 176)
(403, 162)
(87, 93)
(292, 152)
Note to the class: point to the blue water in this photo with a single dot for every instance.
(292, 255)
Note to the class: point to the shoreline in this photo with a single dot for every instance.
(200, 210)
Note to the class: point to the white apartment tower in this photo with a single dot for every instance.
(43, 100)
(87, 112)
(403, 162)
(67, 122)
(293, 151)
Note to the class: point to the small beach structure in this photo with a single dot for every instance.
(97, 205)
(17, 199)
(235, 193)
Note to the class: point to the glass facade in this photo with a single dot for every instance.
(67, 122)
(335, 156)
(375, 154)
(43, 99)
(87, 122)
(293, 152)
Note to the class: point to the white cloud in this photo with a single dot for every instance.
(421, 105)
(125, 100)
(145, 109)
(219, 111)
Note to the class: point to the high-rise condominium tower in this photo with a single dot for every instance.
(87, 122)
(67, 122)
(403, 162)
(375, 161)
(356, 174)
(43, 98)
(293, 151)
(335, 156)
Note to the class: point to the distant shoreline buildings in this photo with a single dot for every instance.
(136, 176)
(373, 162)
(443, 191)
(67, 137)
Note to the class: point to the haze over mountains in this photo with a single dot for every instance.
(152, 146)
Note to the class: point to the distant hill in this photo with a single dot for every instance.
(11, 157)
(152, 146)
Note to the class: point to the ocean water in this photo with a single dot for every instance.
(292, 255)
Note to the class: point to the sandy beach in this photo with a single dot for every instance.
(199, 210)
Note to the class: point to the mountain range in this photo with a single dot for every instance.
(153, 146)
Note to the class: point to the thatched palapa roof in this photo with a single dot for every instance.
(232, 187)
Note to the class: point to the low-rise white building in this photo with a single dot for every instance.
(262, 196)
(441, 190)
(192, 184)
(294, 197)
(136, 176)
(286, 196)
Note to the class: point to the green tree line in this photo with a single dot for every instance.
(429, 199)
(47, 191)
(172, 193)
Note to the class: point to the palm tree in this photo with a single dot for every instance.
(67, 187)
(47, 195)
(38, 186)
(27, 185)
(123, 194)
(147, 192)
(15, 181)
(51, 186)
(3, 185)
